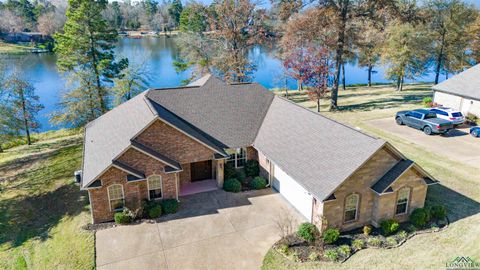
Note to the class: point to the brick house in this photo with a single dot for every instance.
(166, 141)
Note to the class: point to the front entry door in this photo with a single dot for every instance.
(201, 170)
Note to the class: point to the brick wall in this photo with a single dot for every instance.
(174, 144)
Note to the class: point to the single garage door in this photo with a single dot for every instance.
(293, 192)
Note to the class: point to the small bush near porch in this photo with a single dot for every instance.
(243, 179)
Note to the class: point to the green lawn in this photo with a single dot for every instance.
(42, 211)
(459, 189)
(14, 48)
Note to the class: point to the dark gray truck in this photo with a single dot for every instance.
(424, 120)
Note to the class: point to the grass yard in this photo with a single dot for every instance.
(41, 210)
(459, 189)
(14, 48)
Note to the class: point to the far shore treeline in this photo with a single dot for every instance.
(313, 39)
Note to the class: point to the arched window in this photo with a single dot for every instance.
(116, 197)
(351, 207)
(154, 183)
(403, 195)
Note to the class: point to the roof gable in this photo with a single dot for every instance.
(229, 114)
(465, 84)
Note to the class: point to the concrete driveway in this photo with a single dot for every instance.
(212, 230)
(456, 145)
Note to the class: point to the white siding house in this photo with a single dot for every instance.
(461, 92)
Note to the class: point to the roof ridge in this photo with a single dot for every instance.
(144, 93)
(328, 118)
(176, 87)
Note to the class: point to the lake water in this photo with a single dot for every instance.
(158, 54)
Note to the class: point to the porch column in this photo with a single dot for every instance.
(220, 166)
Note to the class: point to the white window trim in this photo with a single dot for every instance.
(356, 208)
(236, 157)
(161, 187)
(407, 204)
(110, 201)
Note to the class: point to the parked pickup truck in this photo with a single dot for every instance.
(424, 120)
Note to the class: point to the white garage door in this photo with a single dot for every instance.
(293, 192)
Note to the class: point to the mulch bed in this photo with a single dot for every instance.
(299, 250)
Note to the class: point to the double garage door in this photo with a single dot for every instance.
(293, 192)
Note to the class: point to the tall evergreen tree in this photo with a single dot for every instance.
(87, 45)
(175, 10)
(21, 106)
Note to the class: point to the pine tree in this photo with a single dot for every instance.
(87, 45)
(20, 106)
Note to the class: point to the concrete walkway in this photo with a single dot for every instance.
(212, 230)
(456, 145)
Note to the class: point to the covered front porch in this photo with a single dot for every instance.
(202, 176)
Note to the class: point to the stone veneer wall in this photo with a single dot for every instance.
(331, 212)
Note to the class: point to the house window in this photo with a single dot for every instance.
(351, 207)
(116, 197)
(238, 157)
(154, 183)
(402, 201)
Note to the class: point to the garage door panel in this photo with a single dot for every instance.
(293, 192)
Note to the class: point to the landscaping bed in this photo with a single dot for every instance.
(243, 179)
(307, 245)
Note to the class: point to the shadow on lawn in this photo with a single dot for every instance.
(385, 103)
(458, 205)
(23, 218)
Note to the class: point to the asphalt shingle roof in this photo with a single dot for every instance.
(318, 152)
(465, 84)
(110, 134)
(391, 175)
(231, 114)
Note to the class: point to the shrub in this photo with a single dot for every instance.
(438, 212)
(391, 241)
(427, 101)
(389, 226)
(471, 118)
(283, 248)
(294, 256)
(230, 171)
(124, 217)
(155, 211)
(252, 168)
(331, 254)
(258, 183)
(358, 244)
(232, 185)
(411, 228)
(402, 234)
(241, 176)
(367, 230)
(330, 236)
(344, 250)
(313, 256)
(307, 231)
(374, 241)
(419, 217)
(169, 206)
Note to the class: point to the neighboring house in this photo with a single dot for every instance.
(461, 92)
(164, 140)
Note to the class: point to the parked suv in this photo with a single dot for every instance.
(449, 114)
(424, 120)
